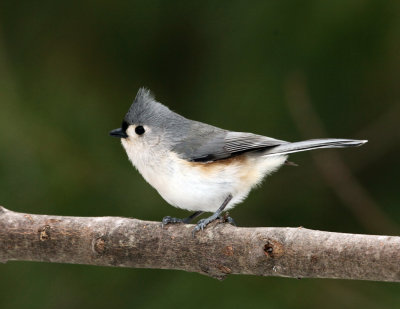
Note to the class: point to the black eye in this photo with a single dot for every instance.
(139, 130)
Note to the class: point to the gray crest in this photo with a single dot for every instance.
(145, 110)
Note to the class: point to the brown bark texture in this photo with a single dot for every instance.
(219, 250)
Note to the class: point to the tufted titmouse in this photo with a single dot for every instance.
(199, 167)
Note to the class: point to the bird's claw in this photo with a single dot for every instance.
(170, 220)
(201, 225)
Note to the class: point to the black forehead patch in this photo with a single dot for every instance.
(124, 126)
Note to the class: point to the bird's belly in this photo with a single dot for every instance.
(191, 189)
(199, 195)
(204, 186)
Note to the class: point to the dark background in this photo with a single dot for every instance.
(288, 69)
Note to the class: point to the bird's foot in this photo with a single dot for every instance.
(202, 224)
(171, 220)
(167, 220)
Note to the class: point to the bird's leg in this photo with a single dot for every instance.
(167, 220)
(204, 222)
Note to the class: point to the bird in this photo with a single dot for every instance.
(199, 167)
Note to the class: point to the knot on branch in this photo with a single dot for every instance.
(228, 251)
(99, 245)
(44, 233)
(274, 249)
(224, 269)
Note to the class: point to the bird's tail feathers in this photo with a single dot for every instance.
(314, 144)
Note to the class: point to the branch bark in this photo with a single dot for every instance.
(219, 250)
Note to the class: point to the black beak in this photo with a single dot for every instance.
(118, 133)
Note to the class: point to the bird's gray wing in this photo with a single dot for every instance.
(212, 144)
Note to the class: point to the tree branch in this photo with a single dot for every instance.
(219, 250)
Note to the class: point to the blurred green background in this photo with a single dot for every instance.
(70, 70)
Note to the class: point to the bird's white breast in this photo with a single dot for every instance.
(201, 186)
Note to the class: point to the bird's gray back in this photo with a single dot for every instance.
(193, 140)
